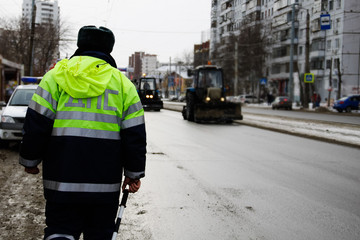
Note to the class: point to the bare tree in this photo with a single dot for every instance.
(223, 56)
(16, 38)
(251, 53)
(187, 58)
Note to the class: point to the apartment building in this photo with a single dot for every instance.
(46, 11)
(149, 63)
(142, 64)
(334, 53)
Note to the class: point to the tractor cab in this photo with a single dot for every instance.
(149, 95)
(209, 85)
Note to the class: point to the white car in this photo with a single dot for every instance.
(13, 114)
(247, 98)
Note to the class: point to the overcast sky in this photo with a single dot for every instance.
(167, 28)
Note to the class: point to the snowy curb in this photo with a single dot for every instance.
(345, 134)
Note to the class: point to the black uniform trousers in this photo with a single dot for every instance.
(66, 221)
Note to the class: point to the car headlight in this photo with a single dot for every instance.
(207, 99)
(7, 119)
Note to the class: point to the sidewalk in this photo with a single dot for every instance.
(345, 134)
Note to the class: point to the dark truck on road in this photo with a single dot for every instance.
(149, 95)
(206, 101)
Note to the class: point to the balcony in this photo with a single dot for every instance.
(284, 59)
(317, 72)
(279, 76)
(317, 54)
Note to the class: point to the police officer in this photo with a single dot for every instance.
(85, 123)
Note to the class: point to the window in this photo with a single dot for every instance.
(301, 50)
(318, 44)
(213, 24)
(280, 52)
(316, 63)
(337, 23)
(328, 45)
(335, 83)
(302, 31)
(328, 64)
(276, 69)
(338, 4)
(337, 43)
(325, 5)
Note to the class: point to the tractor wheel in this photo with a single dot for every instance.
(183, 112)
(190, 107)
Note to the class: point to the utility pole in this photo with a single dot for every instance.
(339, 79)
(307, 59)
(32, 34)
(290, 85)
(330, 82)
(236, 70)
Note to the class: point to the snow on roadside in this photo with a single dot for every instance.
(330, 131)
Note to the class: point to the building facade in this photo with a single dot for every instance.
(149, 64)
(46, 11)
(201, 53)
(317, 36)
(142, 64)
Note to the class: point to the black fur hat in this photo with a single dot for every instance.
(91, 38)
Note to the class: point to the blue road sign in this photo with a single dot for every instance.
(309, 78)
(325, 21)
(263, 81)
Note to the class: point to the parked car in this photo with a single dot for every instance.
(247, 98)
(13, 114)
(231, 98)
(182, 98)
(282, 102)
(347, 103)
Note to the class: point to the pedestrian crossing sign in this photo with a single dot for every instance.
(309, 78)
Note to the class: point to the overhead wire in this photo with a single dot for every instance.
(109, 11)
(154, 31)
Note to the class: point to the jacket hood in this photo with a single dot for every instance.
(83, 76)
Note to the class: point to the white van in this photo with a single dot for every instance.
(13, 114)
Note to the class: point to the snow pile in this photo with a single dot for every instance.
(340, 133)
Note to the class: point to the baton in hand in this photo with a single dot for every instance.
(121, 211)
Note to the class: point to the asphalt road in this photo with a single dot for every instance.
(230, 181)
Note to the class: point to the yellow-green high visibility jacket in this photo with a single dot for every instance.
(85, 123)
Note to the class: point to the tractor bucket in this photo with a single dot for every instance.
(223, 111)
